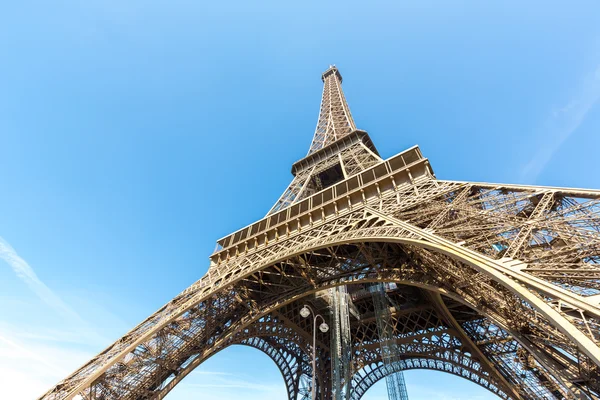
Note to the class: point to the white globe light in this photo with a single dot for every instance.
(304, 312)
(324, 327)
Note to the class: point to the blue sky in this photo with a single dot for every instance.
(134, 134)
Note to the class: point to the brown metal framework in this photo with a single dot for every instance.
(496, 283)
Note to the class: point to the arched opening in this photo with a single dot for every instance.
(427, 384)
(237, 371)
(281, 282)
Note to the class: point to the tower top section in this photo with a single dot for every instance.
(332, 70)
(335, 120)
(338, 150)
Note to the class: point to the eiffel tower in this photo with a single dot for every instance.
(496, 283)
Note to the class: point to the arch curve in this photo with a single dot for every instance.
(382, 228)
(290, 367)
(434, 280)
(288, 350)
(377, 371)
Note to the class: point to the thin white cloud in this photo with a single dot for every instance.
(76, 328)
(218, 380)
(31, 368)
(22, 351)
(28, 275)
(212, 373)
(563, 123)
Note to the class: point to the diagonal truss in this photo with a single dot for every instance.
(495, 283)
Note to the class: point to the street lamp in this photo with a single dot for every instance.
(304, 313)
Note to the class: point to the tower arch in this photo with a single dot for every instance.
(402, 276)
(379, 371)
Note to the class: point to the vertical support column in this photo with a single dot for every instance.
(390, 353)
(341, 345)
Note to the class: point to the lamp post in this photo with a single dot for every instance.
(304, 313)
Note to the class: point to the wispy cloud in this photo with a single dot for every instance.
(76, 328)
(22, 351)
(24, 271)
(226, 380)
(563, 123)
(31, 365)
(212, 373)
(31, 368)
(217, 385)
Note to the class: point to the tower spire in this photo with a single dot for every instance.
(335, 120)
(338, 150)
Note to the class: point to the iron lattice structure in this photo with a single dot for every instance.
(496, 283)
